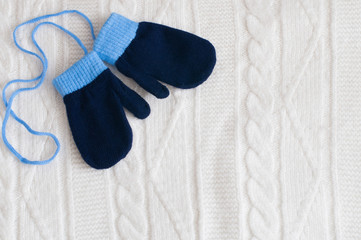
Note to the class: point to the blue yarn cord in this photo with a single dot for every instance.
(41, 77)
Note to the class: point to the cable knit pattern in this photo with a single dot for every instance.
(130, 211)
(127, 179)
(173, 214)
(266, 148)
(260, 159)
(177, 213)
(303, 137)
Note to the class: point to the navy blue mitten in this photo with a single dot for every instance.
(94, 100)
(148, 52)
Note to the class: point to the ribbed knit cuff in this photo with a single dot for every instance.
(80, 74)
(114, 37)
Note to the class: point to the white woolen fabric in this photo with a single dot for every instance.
(267, 148)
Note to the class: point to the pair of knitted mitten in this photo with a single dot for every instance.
(95, 97)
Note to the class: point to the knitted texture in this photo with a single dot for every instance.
(114, 37)
(266, 148)
(96, 117)
(263, 217)
(94, 100)
(98, 123)
(80, 74)
(347, 151)
(149, 52)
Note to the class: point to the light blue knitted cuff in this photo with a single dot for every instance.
(80, 74)
(114, 37)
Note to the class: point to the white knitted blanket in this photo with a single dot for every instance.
(268, 148)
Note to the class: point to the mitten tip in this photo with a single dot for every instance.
(163, 93)
(145, 113)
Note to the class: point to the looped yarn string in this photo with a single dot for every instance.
(44, 61)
